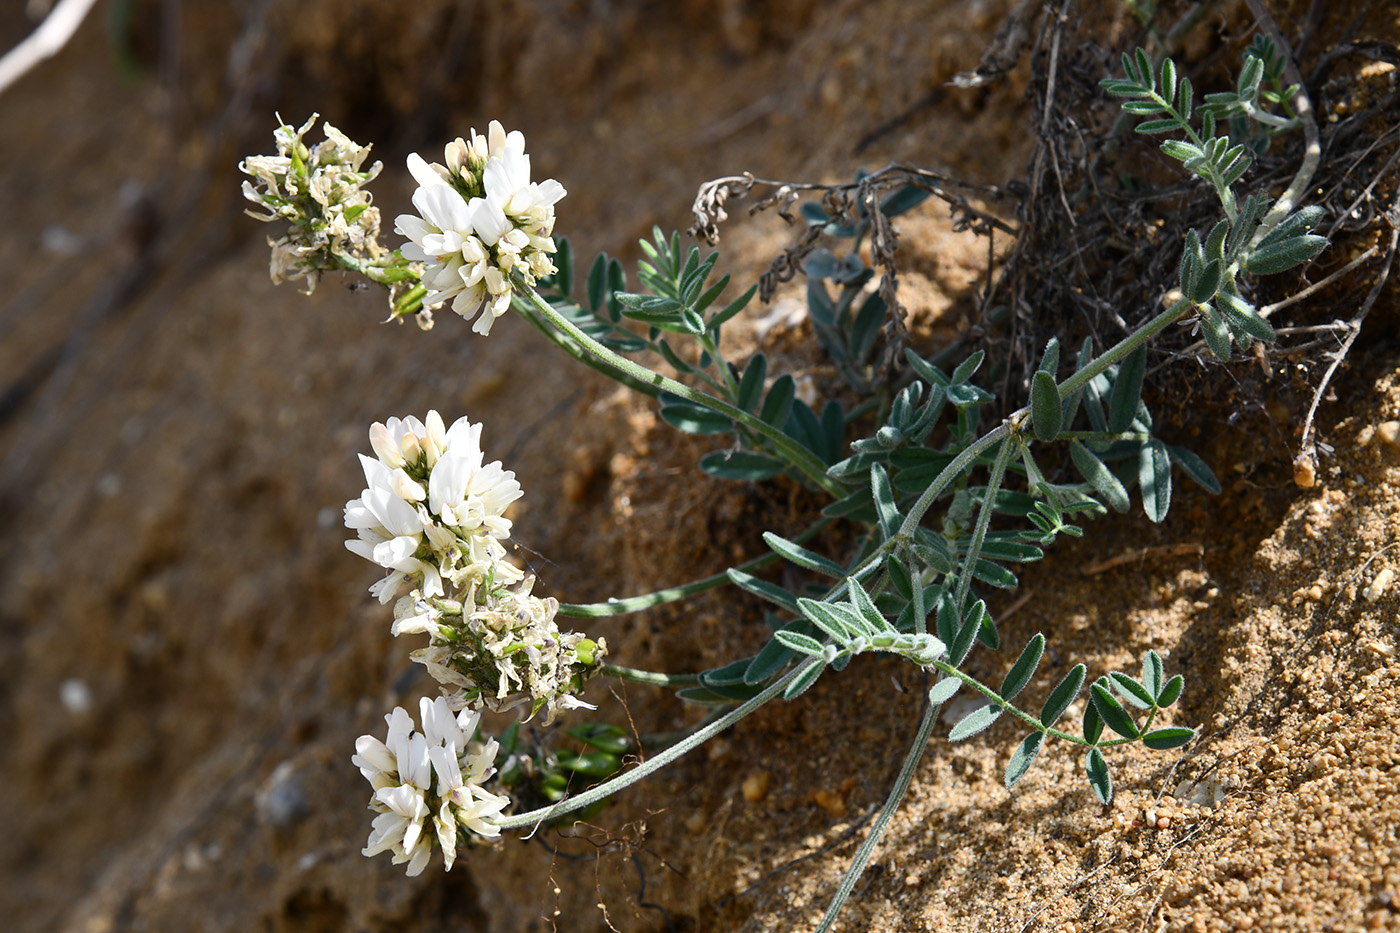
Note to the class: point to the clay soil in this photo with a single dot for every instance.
(187, 652)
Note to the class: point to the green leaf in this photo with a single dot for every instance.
(1168, 80)
(1155, 479)
(803, 644)
(1278, 257)
(968, 367)
(926, 370)
(1171, 691)
(598, 282)
(905, 199)
(725, 676)
(974, 722)
(1208, 282)
(1152, 673)
(751, 385)
(733, 308)
(1023, 758)
(1099, 477)
(1062, 696)
(1024, 668)
(867, 327)
(602, 736)
(1181, 151)
(1170, 737)
(1145, 108)
(864, 608)
(1299, 222)
(1132, 691)
(829, 618)
(1127, 391)
(1093, 723)
(742, 465)
(1195, 468)
(693, 419)
(1112, 712)
(961, 644)
(769, 591)
(1046, 407)
(1242, 314)
(1152, 127)
(994, 575)
(802, 557)
(885, 505)
(803, 680)
(943, 691)
(900, 577)
(1216, 333)
(593, 764)
(1099, 778)
(772, 658)
(778, 405)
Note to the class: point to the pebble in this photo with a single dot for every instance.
(755, 786)
(1379, 584)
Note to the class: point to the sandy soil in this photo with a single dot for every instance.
(177, 438)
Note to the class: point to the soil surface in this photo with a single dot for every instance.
(187, 652)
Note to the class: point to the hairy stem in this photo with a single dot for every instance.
(798, 456)
(698, 738)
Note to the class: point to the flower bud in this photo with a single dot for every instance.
(384, 447)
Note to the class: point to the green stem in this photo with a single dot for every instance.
(877, 830)
(798, 456)
(617, 607)
(698, 738)
(563, 342)
(1121, 349)
(1034, 721)
(984, 518)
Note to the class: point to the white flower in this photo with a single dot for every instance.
(414, 810)
(432, 508)
(479, 219)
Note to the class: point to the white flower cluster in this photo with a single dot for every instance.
(501, 649)
(414, 809)
(433, 517)
(319, 192)
(433, 511)
(479, 220)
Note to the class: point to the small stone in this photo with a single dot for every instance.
(1379, 584)
(755, 786)
(829, 801)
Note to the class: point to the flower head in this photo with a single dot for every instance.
(501, 649)
(318, 191)
(421, 791)
(433, 510)
(480, 219)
